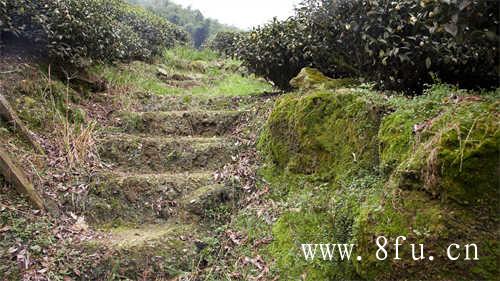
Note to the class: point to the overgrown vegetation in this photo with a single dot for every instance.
(399, 45)
(77, 31)
(346, 166)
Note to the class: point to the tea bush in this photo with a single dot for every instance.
(399, 45)
(76, 30)
(402, 44)
(275, 51)
(226, 43)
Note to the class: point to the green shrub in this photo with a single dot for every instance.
(399, 45)
(275, 51)
(154, 30)
(402, 44)
(226, 43)
(76, 30)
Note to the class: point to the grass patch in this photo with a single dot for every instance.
(204, 73)
(234, 85)
(190, 54)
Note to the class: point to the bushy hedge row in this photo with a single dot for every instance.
(399, 45)
(76, 30)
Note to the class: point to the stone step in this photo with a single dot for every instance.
(205, 200)
(117, 199)
(178, 123)
(150, 252)
(154, 102)
(161, 154)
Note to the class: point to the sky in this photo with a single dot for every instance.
(242, 13)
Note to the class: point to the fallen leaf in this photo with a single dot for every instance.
(80, 225)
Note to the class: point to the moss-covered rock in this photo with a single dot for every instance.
(458, 161)
(324, 132)
(447, 147)
(348, 166)
(423, 220)
(311, 78)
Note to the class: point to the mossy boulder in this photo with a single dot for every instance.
(311, 78)
(447, 147)
(324, 132)
(423, 220)
(369, 166)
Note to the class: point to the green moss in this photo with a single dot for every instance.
(311, 78)
(410, 214)
(323, 132)
(454, 156)
(421, 220)
(396, 134)
(314, 211)
(437, 152)
(293, 229)
(467, 147)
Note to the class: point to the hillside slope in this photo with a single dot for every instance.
(139, 170)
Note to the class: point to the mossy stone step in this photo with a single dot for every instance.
(116, 199)
(180, 123)
(203, 200)
(161, 154)
(163, 251)
(155, 102)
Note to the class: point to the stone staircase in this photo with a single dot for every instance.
(161, 184)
